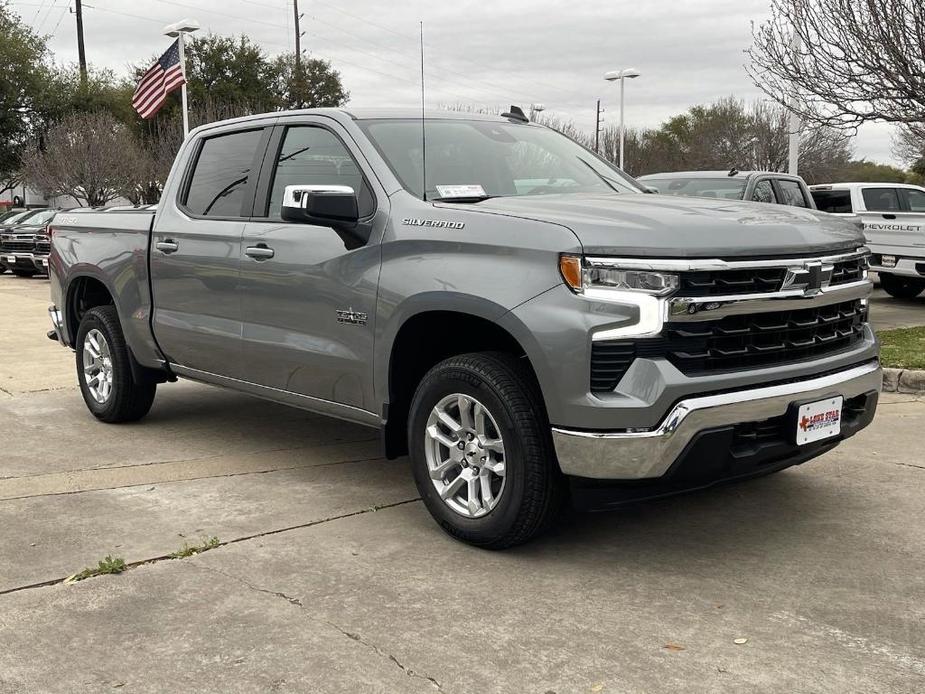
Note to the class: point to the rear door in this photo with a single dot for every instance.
(894, 218)
(308, 292)
(196, 253)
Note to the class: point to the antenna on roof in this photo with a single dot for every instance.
(516, 113)
(733, 172)
(423, 134)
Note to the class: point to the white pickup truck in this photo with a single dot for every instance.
(894, 224)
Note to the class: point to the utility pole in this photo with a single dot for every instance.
(298, 36)
(81, 53)
(597, 128)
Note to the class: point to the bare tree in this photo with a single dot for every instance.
(909, 144)
(88, 156)
(861, 60)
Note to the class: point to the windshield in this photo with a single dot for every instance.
(39, 218)
(730, 188)
(478, 159)
(17, 217)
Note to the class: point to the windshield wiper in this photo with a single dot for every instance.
(607, 181)
(464, 199)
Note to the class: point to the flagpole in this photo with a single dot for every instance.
(183, 87)
(180, 30)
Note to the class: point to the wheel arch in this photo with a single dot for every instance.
(426, 336)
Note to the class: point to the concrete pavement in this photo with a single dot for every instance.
(332, 577)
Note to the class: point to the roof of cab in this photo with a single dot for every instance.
(849, 185)
(715, 174)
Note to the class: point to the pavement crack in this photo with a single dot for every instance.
(920, 467)
(244, 538)
(353, 636)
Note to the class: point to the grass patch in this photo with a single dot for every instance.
(903, 348)
(188, 550)
(108, 565)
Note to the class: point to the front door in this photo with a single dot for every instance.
(196, 255)
(308, 293)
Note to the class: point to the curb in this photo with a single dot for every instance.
(903, 381)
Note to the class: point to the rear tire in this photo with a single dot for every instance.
(104, 370)
(901, 287)
(24, 273)
(481, 450)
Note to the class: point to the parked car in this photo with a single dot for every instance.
(757, 186)
(893, 216)
(24, 240)
(516, 315)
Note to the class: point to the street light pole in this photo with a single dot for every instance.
(179, 30)
(622, 76)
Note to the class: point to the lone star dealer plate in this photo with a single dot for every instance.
(819, 420)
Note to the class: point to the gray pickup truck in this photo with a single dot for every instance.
(509, 310)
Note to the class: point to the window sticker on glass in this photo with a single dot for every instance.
(461, 191)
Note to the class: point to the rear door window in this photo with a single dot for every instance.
(834, 201)
(222, 175)
(915, 199)
(764, 192)
(882, 199)
(792, 193)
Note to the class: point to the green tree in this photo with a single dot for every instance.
(870, 172)
(23, 79)
(311, 84)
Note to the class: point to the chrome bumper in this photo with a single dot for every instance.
(57, 322)
(632, 455)
(905, 267)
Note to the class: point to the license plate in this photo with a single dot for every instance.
(10, 259)
(819, 420)
(888, 260)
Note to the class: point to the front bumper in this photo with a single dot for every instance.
(904, 267)
(649, 454)
(25, 261)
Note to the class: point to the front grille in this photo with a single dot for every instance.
(736, 342)
(17, 246)
(762, 339)
(848, 271)
(43, 246)
(609, 361)
(726, 282)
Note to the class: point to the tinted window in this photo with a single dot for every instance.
(881, 199)
(315, 156)
(833, 200)
(221, 174)
(916, 199)
(764, 192)
(792, 193)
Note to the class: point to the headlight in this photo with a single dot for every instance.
(581, 275)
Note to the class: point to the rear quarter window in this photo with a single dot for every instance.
(835, 201)
(792, 193)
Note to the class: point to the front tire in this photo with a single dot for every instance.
(481, 450)
(104, 370)
(901, 287)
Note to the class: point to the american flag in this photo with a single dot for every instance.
(160, 79)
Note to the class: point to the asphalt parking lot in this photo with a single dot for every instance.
(331, 577)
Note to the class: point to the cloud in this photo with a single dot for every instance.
(478, 52)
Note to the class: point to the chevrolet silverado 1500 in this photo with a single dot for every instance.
(509, 309)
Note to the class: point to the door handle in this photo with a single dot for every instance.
(889, 216)
(167, 246)
(259, 252)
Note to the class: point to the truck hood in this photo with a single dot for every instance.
(673, 227)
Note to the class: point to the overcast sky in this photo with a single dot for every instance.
(476, 51)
